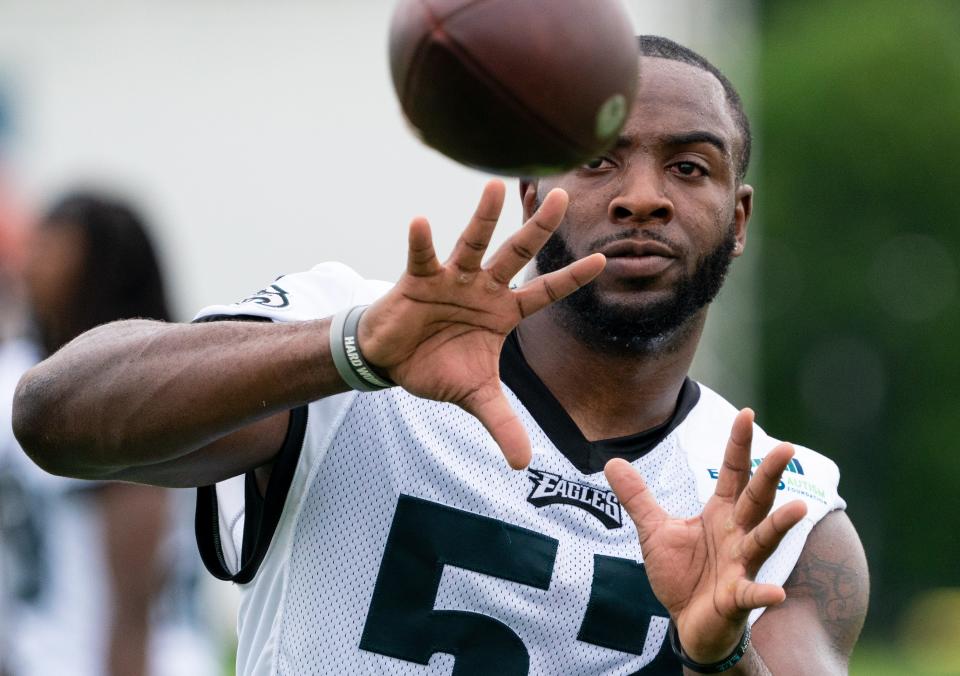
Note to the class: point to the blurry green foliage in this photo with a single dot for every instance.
(859, 193)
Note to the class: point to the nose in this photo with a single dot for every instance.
(641, 199)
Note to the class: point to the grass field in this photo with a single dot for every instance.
(877, 659)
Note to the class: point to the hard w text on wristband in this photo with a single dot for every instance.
(347, 358)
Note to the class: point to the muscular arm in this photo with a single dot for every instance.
(703, 569)
(814, 630)
(189, 405)
(171, 404)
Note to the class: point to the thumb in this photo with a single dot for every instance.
(491, 408)
(635, 497)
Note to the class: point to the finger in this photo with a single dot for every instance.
(749, 595)
(759, 544)
(421, 256)
(523, 245)
(635, 497)
(757, 498)
(735, 472)
(558, 284)
(472, 245)
(492, 409)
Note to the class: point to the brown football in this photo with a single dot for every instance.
(515, 87)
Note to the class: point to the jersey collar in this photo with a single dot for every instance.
(588, 457)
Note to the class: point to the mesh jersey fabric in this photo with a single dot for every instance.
(398, 547)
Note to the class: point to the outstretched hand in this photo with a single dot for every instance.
(439, 332)
(702, 569)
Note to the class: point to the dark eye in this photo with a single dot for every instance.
(689, 169)
(597, 163)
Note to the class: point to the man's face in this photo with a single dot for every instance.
(663, 205)
(54, 267)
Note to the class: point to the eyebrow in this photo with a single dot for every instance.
(682, 139)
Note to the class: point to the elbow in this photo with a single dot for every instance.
(36, 423)
(30, 409)
(65, 409)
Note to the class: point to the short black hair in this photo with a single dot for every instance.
(664, 48)
(120, 277)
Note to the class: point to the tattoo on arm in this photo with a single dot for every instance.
(835, 578)
(833, 585)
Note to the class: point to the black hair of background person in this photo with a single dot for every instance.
(121, 276)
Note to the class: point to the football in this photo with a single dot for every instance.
(515, 87)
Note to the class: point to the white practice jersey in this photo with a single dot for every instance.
(396, 540)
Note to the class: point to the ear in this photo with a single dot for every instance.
(528, 196)
(742, 212)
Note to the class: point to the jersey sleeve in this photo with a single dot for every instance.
(810, 477)
(234, 523)
(314, 294)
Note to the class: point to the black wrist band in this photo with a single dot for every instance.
(347, 358)
(716, 667)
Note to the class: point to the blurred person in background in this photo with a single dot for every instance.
(13, 221)
(11, 251)
(97, 582)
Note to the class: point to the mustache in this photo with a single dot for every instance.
(652, 234)
(635, 233)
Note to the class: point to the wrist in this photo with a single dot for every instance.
(708, 644)
(348, 357)
(703, 664)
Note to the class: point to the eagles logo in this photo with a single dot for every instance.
(551, 489)
(273, 296)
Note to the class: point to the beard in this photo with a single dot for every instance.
(634, 328)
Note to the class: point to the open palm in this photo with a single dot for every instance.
(702, 569)
(439, 332)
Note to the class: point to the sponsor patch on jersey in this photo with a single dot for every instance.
(793, 480)
(272, 296)
(552, 489)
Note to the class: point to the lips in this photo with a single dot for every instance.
(633, 258)
(628, 248)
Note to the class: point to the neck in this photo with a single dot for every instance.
(609, 394)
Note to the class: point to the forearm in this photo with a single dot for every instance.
(138, 392)
(751, 664)
(786, 645)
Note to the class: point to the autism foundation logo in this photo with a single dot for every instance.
(792, 466)
(794, 480)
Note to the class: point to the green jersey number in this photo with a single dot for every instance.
(426, 536)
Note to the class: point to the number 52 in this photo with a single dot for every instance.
(425, 536)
